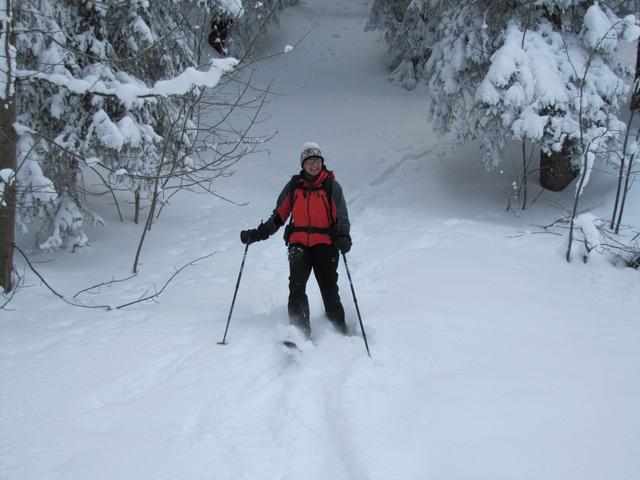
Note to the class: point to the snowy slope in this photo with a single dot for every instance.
(492, 357)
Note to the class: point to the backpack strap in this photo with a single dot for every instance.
(292, 188)
(327, 185)
(310, 229)
(293, 184)
(288, 230)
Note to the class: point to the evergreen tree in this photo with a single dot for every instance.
(256, 17)
(543, 72)
(83, 70)
(405, 29)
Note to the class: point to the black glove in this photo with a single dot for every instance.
(343, 242)
(255, 234)
(340, 237)
(249, 236)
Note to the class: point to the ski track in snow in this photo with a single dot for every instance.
(411, 156)
(300, 412)
(137, 382)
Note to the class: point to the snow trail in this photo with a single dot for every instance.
(491, 358)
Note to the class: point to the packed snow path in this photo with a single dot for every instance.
(492, 358)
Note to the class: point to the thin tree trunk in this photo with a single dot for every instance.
(574, 210)
(136, 208)
(634, 105)
(616, 203)
(624, 193)
(8, 160)
(149, 221)
(525, 174)
(154, 196)
(113, 194)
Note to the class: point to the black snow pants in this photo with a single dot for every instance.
(323, 259)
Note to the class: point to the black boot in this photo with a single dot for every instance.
(339, 323)
(299, 314)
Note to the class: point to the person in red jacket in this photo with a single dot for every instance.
(318, 230)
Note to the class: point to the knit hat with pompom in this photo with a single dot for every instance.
(310, 149)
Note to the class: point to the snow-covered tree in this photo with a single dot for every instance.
(103, 85)
(405, 29)
(541, 71)
(256, 17)
(628, 156)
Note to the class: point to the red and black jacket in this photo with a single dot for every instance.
(317, 208)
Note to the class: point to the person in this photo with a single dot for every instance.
(318, 230)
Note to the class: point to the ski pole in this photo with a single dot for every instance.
(355, 300)
(233, 302)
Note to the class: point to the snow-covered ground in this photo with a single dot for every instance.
(492, 358)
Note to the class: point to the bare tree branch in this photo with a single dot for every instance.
(51, 289)
(104, 284)
(159, 292)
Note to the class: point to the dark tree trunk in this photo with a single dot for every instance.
(635, 97)
(8, 206)
(634, 106)
(136, 203)
(556, 171)
(8, 142)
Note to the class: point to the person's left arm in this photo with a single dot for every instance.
(340, 231)
(273, 223)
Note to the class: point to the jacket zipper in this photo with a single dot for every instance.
(308, 198)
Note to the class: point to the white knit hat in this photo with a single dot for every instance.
(310, 149)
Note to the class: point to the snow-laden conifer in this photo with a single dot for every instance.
(106, 85)
(255, 18)
(545, 72)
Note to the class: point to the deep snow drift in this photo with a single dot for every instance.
(492, 357)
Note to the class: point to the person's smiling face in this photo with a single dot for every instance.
(312, 165)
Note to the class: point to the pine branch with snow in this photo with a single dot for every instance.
(101, 84)
(523, 71)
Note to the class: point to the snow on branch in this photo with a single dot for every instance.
(128, 92)
(7, 177)
(603, 33)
